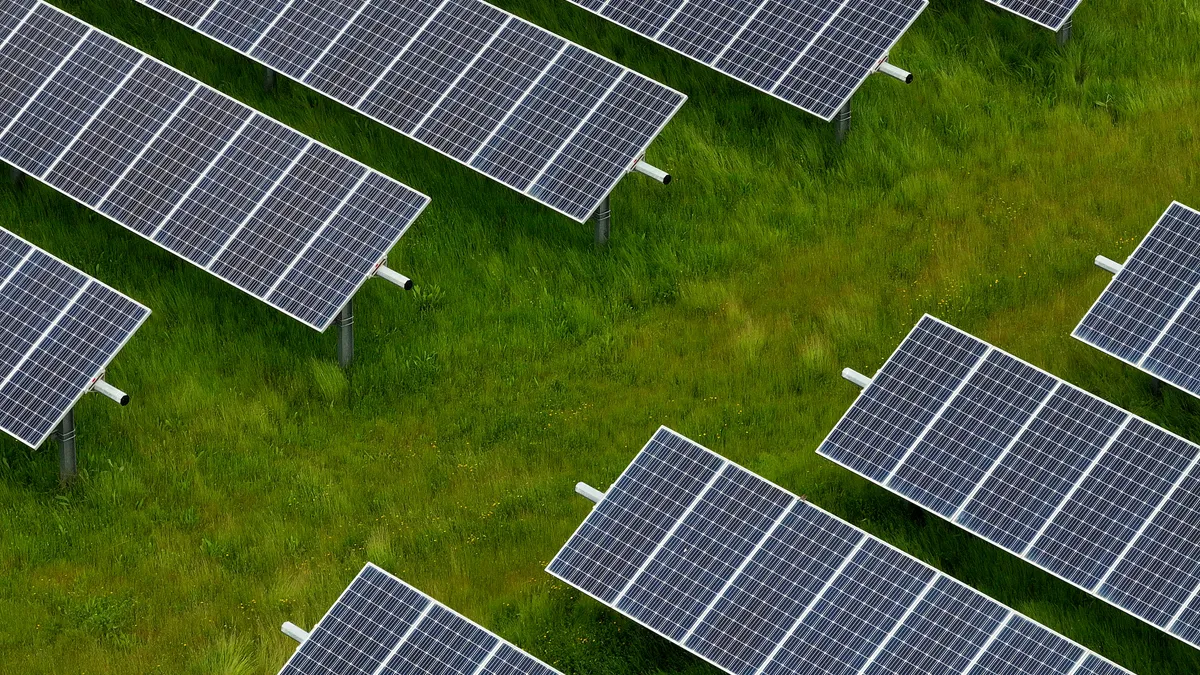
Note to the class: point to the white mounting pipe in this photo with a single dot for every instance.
(102, 387)
(389, 274)
(1110, 266)
(589, 492)
(856, 377)
(898, 73)
(293, 631)
(654, 172)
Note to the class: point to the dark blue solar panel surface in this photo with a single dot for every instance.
(793, 565)
(1026, 487)
(1025, 648)
(968, 436)
(813, 54)
(58, 331)
(463, 77)
(911, 388)
(382, 626)
(754, 587)
(193, 170)
(1051, 14)
(1148, 314)
(1073, 484)
(1161, 572)
(855, 615)
(942, 635)
(702, 555)
(1096, 524)
(67, 102)
(443, 643)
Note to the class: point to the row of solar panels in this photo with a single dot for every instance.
(736, 570)
(758, 581)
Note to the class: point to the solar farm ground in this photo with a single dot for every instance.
(250, 479)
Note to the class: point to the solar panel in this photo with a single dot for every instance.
(1149, 315)
(759, 582)
(382, 626)
(278, 215)
(1046, 471)
(59, 329)
(523, 106)
(1052, 14)
(813, 54)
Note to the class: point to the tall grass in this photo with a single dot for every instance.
(250, 478)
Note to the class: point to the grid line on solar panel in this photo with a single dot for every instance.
(1004, 453)
(1047, 516)
(987, 644)
(13, 16)
(87, 125)
(153, 144)
(42, 87)
(369, 89)
(427, 636)
(61, 330)
(317, 234)
(1046, 13)
(785, 57)
(938, 415)
(824, 611)
(663, 542)
(519, 102)
(575, 132)
(740, 569)
(183, 199)
(1083, 477)
(1142, 302)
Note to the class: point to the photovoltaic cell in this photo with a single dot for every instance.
(382, 626)
(756, 580)
(1042, 469)
(813, 54)
(469, 80)
(1148, 314)
(1050, 14)
(59, 329)
(274, 213)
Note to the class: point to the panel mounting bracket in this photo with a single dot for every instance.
(589, 492)
(100, 386)
(886, 68)
(856, 377)
(1110, 266)
(293, 631)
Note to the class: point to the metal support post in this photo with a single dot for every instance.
(1110, 266)
(589, 492)
(68, 465)
(842, 122)
(1064, 34)
(345, 324)
(293, 631)
(856, 377)
(269, 77)
(603, 221)
(16, 176)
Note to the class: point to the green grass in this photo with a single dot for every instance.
(250, 478)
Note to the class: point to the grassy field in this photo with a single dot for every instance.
(251, 478)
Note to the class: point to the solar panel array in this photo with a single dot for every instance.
(1149, 316)
(259, 205)
(543, 116)
(758, 581)
(59, 328)
(813, 54)
(1050, 473)
(382, 626)
(1050, 14)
